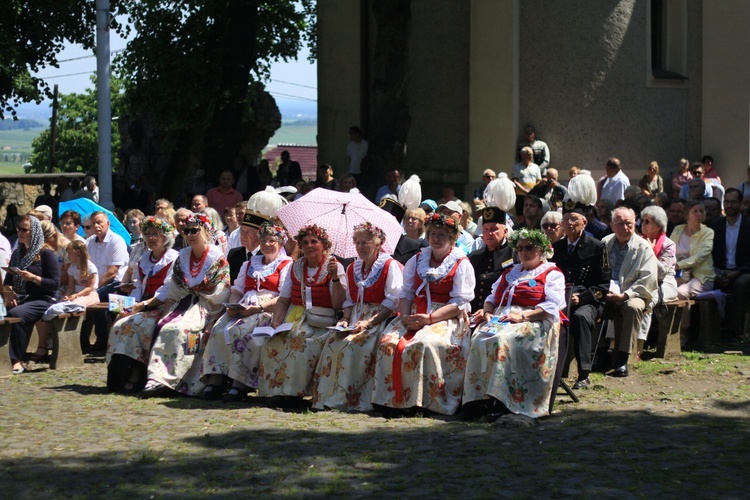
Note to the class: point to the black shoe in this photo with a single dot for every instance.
(497, 410)
(212, 392)
(152, 390)
(235, 395)
(620, 371)
(582, 384)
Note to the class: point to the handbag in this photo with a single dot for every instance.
(320, 317)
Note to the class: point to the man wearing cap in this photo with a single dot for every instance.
(429, 206)
(454, 210)
(407, 247)
(251, 221)
(583, 260)
(490, 261)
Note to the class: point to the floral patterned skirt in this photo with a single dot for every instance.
(131, 336)
(431, 368)
(240, 358)
(171, 363)
(516, 366)
(343, 379)
(288, 360)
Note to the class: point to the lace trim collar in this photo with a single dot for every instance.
(432, 274)
(299, 273)
(517, 274)
(260, 271)
(377, 269)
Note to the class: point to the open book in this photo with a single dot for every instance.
(269, 331)
(121, 303)
(492, 327)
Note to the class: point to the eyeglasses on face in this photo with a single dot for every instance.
(22, 230)
(550, 226)
(526, 248)
(192, 230)
(87, 227)
(645, 222)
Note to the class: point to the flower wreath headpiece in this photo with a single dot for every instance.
(313, 230)
(436, 219)
(268, 229)
(368, 227)
(156, 223)
(538, 238)
(201, 220)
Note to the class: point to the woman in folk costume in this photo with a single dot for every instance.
(231, 350)
(422, 355)
(308, 299)
(343, 379)
(513, 356)
(199, 286)
(131, 336)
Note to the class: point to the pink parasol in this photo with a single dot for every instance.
(338, 213)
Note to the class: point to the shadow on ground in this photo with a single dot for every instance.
(596, 453)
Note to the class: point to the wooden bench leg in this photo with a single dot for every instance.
(6, 368)
(709, 330)
(669, 332)
(66, 343)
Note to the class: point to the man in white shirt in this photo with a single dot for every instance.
(614, 186)
(109, 253)
(356, 150)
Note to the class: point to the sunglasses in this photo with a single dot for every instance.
(87, 227)
(191, 230)
(550, 226)
(526, 248)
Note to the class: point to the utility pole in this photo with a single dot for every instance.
(53, 133)
(104, 108)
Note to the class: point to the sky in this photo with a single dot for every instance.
(292, 81)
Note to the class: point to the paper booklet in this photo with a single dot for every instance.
(341, 328)
(269, 331)
(492, 327)
(234, 307)
(121, 303)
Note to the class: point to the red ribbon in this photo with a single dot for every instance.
(397, 364)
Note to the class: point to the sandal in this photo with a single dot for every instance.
(212, 392)
(39, 358)
(235, 395)
(18, 371)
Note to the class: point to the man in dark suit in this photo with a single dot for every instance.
(406, 247)
(583, 260)
(731, 256)
(249, 239)
(289, 172)
(493, 258)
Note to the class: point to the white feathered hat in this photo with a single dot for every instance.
(500, 193)
(581, 193)
(410, 194)
(267, 202)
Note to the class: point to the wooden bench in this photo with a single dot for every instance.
(6, 368)
(669, 343)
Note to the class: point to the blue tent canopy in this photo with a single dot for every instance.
(85, 207)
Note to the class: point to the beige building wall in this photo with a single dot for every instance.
(726, 84)
(339, 79)
(584, 72)
(493, 87)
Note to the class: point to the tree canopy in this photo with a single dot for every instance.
(32, 33)
(76, 147)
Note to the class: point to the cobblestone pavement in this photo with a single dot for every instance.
(672, 429)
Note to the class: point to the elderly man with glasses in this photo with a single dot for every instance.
(634, 284)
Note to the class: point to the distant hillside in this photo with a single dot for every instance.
(21, 124)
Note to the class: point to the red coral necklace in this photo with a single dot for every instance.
(196, 265)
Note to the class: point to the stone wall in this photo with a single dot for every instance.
(22, 190)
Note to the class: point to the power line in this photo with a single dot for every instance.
(297, 97)
(64, 76)
(295, 84)
(88, 56)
